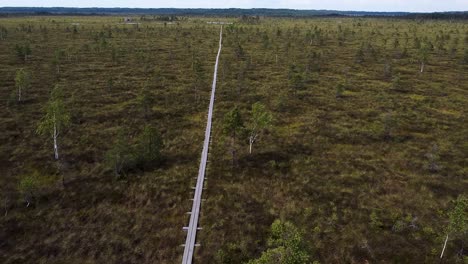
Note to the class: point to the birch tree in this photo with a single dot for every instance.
(55, 119)
(260, 119)
(458, 221)
(423, 56)
(22, 83)
(58, 55)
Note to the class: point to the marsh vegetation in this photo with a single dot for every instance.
(336, 140)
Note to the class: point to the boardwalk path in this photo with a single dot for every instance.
(194, 215)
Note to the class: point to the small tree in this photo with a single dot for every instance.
(55, 119)
(359, 57)
(340, 89)
(145, 101)
(285, 244)
(296, 79)
(389, 123)
(423, 56)
(232, 127)
(110, 84)
(148, 149)
(433, 159)
(198, 77)
(239, 52)
(58, 55)
(3, 33)
(458, 221)
(23, 51)
(27, 186)
(396, 82)
(119, 157)
(22, 82)
(260, 119)
(388, 70)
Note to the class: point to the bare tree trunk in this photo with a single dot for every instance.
(55, 141)
(422, 67)
(443, 249)
(27, 198)
(251, 141)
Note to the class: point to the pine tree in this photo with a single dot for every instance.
(119, 157)
(149, 146)
(233, 126)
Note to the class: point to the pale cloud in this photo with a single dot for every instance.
(362, 5)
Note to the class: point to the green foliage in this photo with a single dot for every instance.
(110, 84)
(359, 57)
(286, 246)
(120, 157)
(239, 52)
(396, 82)
(321, 150)
(22, 83)
(145, 153)
(149, 146)
(232, 123)
(198, 70)
(423, 53)
(56, 116)
(58, 57)
(375, 221)
(340, 89)
(27, 184)
(260, 119)
(114, 54)
(27, 187)
(23, 51)
(458, 217)
(389, 123)
(296, 79)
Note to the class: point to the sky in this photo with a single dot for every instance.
(357, 5)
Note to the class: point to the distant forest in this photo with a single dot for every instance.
(231, 12)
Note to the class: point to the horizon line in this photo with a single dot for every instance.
(242, 8)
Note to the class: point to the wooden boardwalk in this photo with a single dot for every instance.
(194, 214)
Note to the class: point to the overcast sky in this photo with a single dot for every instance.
(361, 5)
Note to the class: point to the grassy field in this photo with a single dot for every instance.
(365, 154)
